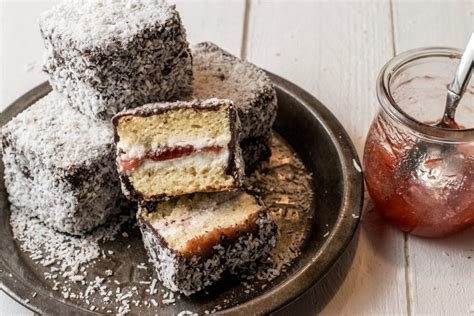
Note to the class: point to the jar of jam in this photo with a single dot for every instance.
(419, 176)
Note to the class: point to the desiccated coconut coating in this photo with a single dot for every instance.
(59, 166)
(189, 275)
(109, 55)
(218, 74)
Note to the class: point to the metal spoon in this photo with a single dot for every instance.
(425, 152)
(458, 86)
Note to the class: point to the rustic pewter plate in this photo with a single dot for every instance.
(312, 184)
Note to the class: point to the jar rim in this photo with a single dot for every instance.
(391, 107)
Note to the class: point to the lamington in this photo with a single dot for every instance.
(193, 239)
(219, 74)
(174, 148)
(59, 166)
(105, 56)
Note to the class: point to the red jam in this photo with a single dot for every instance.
(165, 153)
(426, 195)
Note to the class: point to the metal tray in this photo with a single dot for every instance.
(307, 128)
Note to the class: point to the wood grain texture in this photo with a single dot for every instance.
(217, 21)
(440, 272)
(10, 307)
(432, 23)
(21, 48)
(334, 49)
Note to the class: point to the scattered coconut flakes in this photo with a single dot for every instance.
(76, 278)
(124, 297)
(124, 308)
(168, 301)
(152, 286)
(278, 263)
(356, 165)
(182, 313)
(68, 252)
(142, 266)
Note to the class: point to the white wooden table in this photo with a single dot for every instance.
(334, 50)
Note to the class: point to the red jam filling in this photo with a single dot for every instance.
(165, 153)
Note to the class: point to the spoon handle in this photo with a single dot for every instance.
(463, 73)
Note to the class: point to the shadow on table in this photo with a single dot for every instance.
(315, 299)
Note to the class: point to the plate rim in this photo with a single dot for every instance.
(303, 279)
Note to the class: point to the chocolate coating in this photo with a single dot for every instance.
(107, 56)
(59, 166)
(190, 275)
(218, 73)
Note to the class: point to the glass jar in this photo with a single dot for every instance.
(421, 177)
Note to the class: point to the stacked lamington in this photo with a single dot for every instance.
(219, 74)
(177, 128)
(107, 56)
(101, 57)
(184, 163)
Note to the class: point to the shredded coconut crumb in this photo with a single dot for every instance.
(356, 165)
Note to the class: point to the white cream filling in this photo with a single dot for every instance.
(139, 150)
(202, 219)
(198, 160)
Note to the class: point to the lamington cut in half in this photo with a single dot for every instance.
(219, 74)
(105, 56)
(59, 166)
(192, 239)
(170, 149)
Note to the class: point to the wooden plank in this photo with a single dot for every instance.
(334, 49)
(21, 48)
(217, 21)
(10, 307)
(432, 23)
(439, 271)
